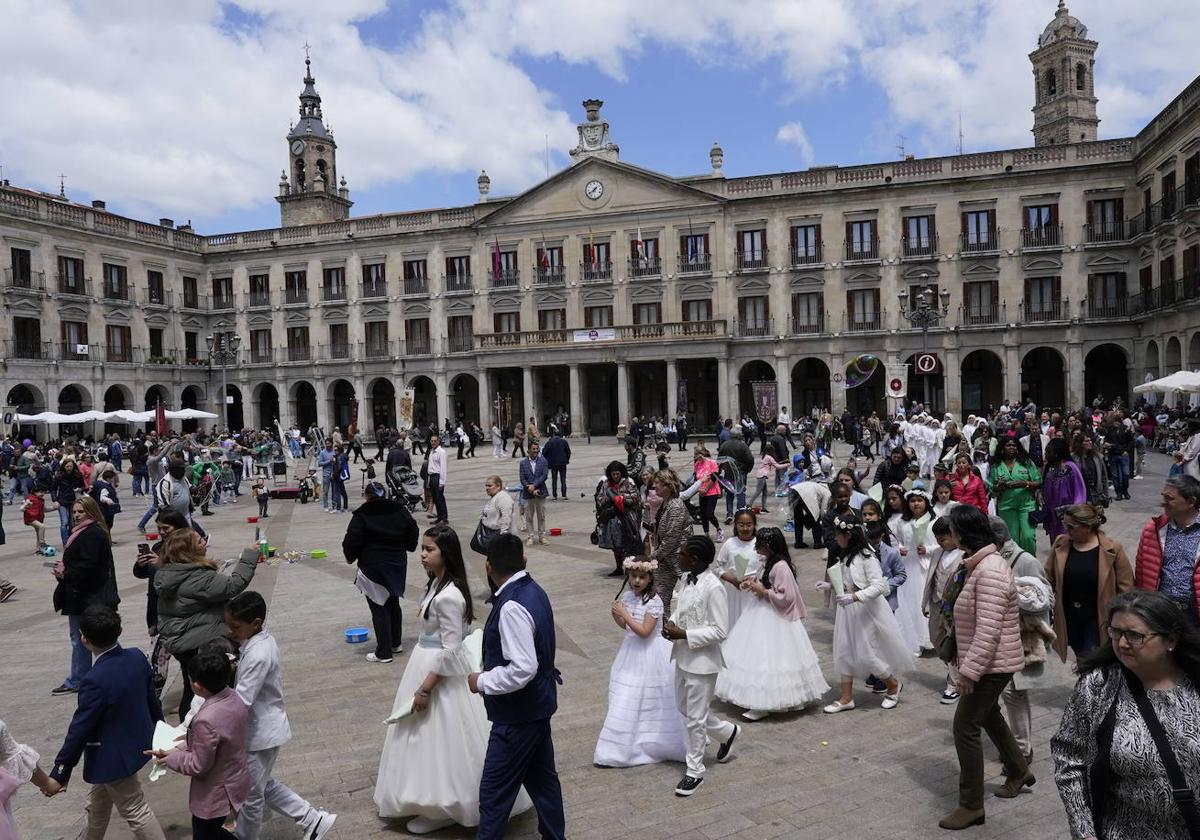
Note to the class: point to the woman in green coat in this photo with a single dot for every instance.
(1015, 483)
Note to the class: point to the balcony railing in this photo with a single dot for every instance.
(809, 325)
(222, 303)
(862, 250)
(416, 346)
(301, 353)
(754, 260)
(979, 243)
(1105, 307)
(627, 333)
(695, 263)
(648, 267)
(1043, 311)
(460, 343)
(296, 295)
(156, 297)
(919, 247)
(983, 316)
(122, 355)
(377, 349)
(457, 282)
(330, 293)
(70, 351)
(115, 293)
(74, 286)
(1047, 236)
(807, 255)
(551, 275)
(864, 321)
(600, 272)
(753, 328)
(34, 281)
(373, 290)
(505, 278)
(1164, 295)
(194, 301)
(261, 355)
(28, 349)
(416, 286)
(258, 300)
(333, 352)
(1114, 231)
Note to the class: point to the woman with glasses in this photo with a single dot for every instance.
(1109, 769)
(1086, 568)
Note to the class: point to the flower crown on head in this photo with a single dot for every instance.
(632, 564)
(846, 525)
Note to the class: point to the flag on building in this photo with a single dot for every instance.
(496, 261)
(592, 251)
(639, 247)
(160, 419)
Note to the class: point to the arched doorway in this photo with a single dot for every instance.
(267, 402)
(464, 398)
(1194, 352)
(1106, 374)
(304, 397)
(191, 397)
(810, 387)
(755, 371)
(155, 394)
(383, 403)
(235, 413)
(982, 374)
(341, 395)
(27, 399)
(929, 389)
(117, 398)
(1173, 360)
(73, 399)
(1042, 378)
(1151, 364)
(425, 402)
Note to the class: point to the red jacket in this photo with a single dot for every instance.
(1148, 566)
(974, 492)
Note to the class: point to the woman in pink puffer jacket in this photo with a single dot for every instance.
(987, 631)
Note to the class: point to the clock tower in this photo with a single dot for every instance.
(309, 191)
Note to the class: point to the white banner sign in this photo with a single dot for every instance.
(897, 381)
(9, 421)
(595, 334)
(405, 418)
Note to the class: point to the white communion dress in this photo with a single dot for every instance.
(911, 533)
(740, 559)
(866, 637)
(643, 725)
(433, 760)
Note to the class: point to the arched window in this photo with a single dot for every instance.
(1051, 83)
(321, 169)
(300, 178)
(1080, 77)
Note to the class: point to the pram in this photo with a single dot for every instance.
(405, 486)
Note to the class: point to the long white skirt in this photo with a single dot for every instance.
(914, 625)
(770, 664)
(643, 725)
(432, 761)
(866, 640)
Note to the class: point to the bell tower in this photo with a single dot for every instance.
(309, 191)
(1064, 109)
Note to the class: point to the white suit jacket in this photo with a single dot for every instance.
(701, 609)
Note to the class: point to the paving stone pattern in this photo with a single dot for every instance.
(804, 775)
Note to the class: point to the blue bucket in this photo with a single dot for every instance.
(356, 635)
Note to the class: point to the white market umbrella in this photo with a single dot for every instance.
(1184, 380)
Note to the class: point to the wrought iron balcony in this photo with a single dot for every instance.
(377, 349)
(222, 303)
(753, 328)
(1045, 311)
(864, 321)
(333, 293)
(810, 325)
(622, 334)
(551, 275)
(416, 346)
(296, 295)
(457, 282)
(28, 349)
(258, 300)
(505, 278)
(117, 354)
(74, 286)
(334, 352)
(261, 355)
(157, 297)
(1046, 236)
(639, 267)
(461, 343)
(753, 260)
(373, 290)
(33, 281)
(919, 247)
(1099, 232)
(987, 242)
(299, 353)
(983, 316)
(601, 272)
(695, 263)
(71, 351)
(194, 301)
(119, 292)
(863, 250)
(416, 286)
(807, 255)
(1105, 307)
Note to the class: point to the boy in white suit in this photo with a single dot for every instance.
(698, 624)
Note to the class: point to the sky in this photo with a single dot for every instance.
(179, 108)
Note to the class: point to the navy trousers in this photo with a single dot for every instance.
(520, 754)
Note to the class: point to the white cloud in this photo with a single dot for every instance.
(793, 133)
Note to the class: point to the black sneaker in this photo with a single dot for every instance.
(64, 689)
(726, 749)
(687, 785)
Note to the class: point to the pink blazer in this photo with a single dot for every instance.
(215, 757)
(785, 593)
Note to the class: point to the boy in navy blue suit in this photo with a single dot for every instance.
(112, 727)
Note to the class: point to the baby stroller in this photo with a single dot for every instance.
(405, 486)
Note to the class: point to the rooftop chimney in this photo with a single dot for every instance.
(97, 204)
(167, 223)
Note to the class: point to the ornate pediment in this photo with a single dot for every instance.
(754, 285)
(862, 278)
(197, 324)
(259, 319)
(374, 310)
(1041, 264)
(25, 308)
(335, 314)
(460, 306)
(298, 318)
(597, 297)
(550, 300)
(980, 271)
(224, 324)
(506, 303)
(1106, 259)
(695, 291)
(116, 316)
(158, 320)
(416, 307)
(916, 273)
(806, 282)
(646, 293)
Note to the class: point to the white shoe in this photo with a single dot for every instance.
(838, 706)
(891, 701)
(397, 648)
(424, 825)
(753, 714)
(321, 827)
(373, 658)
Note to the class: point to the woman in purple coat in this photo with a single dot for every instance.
(1062, 484)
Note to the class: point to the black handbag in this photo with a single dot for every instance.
(482, 537)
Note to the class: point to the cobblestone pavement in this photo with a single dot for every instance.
(804, 775)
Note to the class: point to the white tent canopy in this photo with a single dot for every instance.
(1184, 380)
(122, 416)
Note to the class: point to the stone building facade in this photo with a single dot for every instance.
(1072, 269)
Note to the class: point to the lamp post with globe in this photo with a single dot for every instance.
(924, 314)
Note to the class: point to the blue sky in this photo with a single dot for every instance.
(191, 123)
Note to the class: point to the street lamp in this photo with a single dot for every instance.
(923, 316)
(223, 349)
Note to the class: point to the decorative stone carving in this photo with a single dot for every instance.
(594, 139)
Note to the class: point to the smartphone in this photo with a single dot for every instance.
(143, 548)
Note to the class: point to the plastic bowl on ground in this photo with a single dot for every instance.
(556, 532)
(251, 519)
(319, 554)
(357, 635)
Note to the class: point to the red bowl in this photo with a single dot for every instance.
(252, 519)
(556, 532)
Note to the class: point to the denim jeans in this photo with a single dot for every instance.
(1118, 468)
(326, 484)
(81, 657)
(64, 522)
(141, 484)
(149, 514)
(740, 490)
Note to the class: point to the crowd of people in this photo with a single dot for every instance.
(932, 552)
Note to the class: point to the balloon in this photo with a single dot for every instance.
(860, 369)
(27, 443)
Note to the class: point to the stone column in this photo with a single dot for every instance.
(723, 389)
(672, 389)
(623, 415)
(783, 384)
(322, 406)
(1074, 373)
(1012, 373)
(487, 414)
(528, 402)
(837, 391)
(365, 410)
(578, 424)
(443, 398)
(952, 377)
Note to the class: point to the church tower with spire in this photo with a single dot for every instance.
(1064, 109)
(309, 191)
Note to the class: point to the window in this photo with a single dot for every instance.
(552, 319)
(693, 252)
(155, 293)
(295, 286)
(860, 240)
(191, 293)
(981, 302)
(458, 273)
(1106, 222)
(298, 345)
(222, 292)
(1147, 203)
(116, 284)
(1191, 178)
(1080, 77)
(506, 322)
(644, 257)
(806, 244)
(75, 339)
(597, 316)
(334, 287)
(862, 309)
(647, 313)
(117, 339)
(415, 270)
(1041, 226)
(979, 230)
(697, 310)
(260, 346)
(1051, 83)
(751, 249)
(190, 339)
(460, 331)
(1166, 271)
(1106, 295)
(504, 271)
(550, 264)
(754, 316)
(27, 338)
(1191, 264)
(1168, 194)
(70, 275)
(1042, 301)
(807, 312)
(156, 343)
(374, 281)
(597, 262)
(919, 238)
(1146, 278)
(22, 267)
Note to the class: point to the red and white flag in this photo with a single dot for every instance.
(160, 419)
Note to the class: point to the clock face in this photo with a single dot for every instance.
(594, 190)
(297, 147)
